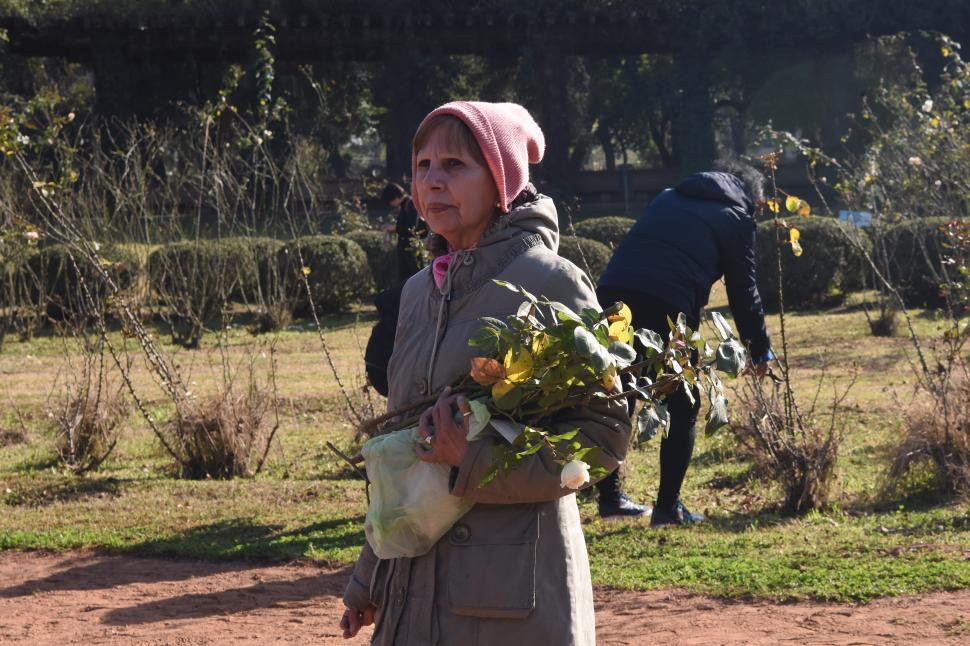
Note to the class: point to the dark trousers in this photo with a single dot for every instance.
(675, 449)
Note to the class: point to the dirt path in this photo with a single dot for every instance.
(86, 598)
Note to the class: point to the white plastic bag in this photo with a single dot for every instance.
(410, 507)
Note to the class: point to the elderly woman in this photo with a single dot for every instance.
(514, 569)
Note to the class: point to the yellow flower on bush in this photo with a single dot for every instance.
(620, 325)
(623, 315)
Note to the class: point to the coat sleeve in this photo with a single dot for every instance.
(537, 478)
(603, 424)
(357, 594)
(742, 290)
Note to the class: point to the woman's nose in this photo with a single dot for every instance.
(434, 178)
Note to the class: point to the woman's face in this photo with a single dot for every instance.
(458, 195)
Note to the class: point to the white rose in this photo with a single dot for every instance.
(574, 475)
(928, 105)
(915, 161)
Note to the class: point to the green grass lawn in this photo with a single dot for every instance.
(306, 505)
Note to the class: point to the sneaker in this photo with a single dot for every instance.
(622, 507)
(680, 515)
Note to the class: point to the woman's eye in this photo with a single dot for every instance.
(423, 163)
(453, 163)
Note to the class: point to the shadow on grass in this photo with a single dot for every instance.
(242, 540)
(37, 463)
(922, 497)
(42, 492)
(733, 480)
(234, 541)
(715, 456)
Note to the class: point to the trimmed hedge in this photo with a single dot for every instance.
(338, 272)
(609, 230)
(908, 268)
(263, 284)
(828, 269)
(381, 259)
(597, 254)
(53, 278)
(194, 278)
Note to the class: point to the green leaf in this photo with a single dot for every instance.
(717, 413)
(652, 420)
(487, 340)
(680, 327)
(580, 454)
(530, 450)
(652, 343)
(722, 327)
(509, 400)
(590, 348)
(563, 313)
(642, 389)
(516, 288)
(489, 476)
(623, 354)
(525, 310)
(562, 437)
(590, 316)
(490, 322)
(602, 333)
(507, 285)
(731, 357)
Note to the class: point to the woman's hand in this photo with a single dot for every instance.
(354, 620)
(449, 441)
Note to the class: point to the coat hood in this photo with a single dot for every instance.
(717, 187)
(538, 216)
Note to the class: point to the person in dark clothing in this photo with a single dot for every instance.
(407, 226)
(380, 344)
(687, 238)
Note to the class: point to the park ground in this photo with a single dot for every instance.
(266, 556)
(89, 598)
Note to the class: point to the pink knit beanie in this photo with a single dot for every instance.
(510, 140)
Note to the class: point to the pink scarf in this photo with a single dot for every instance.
(439, 267)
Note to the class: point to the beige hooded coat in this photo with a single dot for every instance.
(514, 569)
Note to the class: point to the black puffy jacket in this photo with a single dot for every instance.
(684, 241)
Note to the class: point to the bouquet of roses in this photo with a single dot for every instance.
(527, 372)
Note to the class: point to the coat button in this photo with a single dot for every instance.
(460, 533)
(469, 260)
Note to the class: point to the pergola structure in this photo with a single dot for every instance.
(139, 61)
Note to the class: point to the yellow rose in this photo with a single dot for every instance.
(621, 331)
(623, 315)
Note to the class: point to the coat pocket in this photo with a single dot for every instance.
(492, 563)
